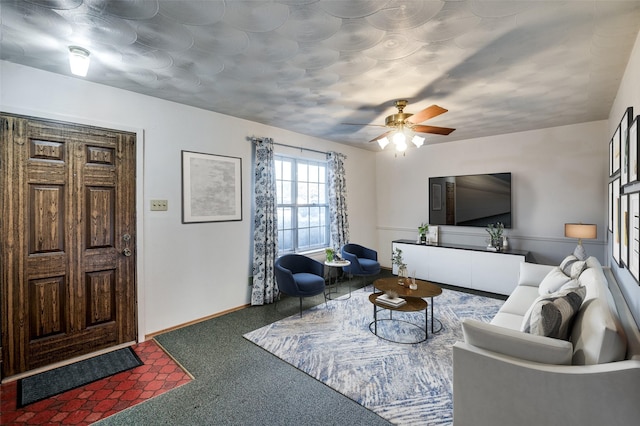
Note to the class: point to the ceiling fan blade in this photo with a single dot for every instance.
(360, 124)
(382, 136)
(425, 114)
(432, 129)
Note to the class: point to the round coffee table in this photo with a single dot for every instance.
(425, 289)
(413, 304)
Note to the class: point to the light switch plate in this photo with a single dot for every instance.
(159, 205)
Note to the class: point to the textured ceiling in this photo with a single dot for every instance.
(311, 65)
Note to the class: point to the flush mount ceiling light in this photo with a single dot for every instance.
(79, 60)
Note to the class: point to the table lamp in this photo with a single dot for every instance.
(580, 231)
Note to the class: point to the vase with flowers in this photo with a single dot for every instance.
(423, 229)
(397, 260)
(495, 235)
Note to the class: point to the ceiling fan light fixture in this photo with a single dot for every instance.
(418, 141)
(79, 59)
(383, 142)
(399, 138)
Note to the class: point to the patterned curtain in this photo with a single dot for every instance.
(265, 224)
(338, 201)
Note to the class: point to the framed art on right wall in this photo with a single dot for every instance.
(615, 213)
(634, 237)
(634, 141)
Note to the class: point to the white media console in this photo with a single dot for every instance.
(463, 266)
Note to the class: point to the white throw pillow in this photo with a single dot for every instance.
(553, 281)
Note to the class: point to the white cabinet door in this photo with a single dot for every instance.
(416, 258)
(495, 272)
(450, 266)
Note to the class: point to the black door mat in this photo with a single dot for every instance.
(53, 382)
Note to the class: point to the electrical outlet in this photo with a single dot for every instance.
(159, 205)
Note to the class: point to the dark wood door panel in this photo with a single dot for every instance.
(68, 241)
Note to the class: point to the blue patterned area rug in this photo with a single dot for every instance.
(407, 384)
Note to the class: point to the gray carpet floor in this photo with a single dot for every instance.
(239, 383)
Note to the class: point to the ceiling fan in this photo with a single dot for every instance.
(405, 126)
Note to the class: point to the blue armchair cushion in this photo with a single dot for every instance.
(364, 261)
(309, 284)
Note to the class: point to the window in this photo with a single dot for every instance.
(303, 208)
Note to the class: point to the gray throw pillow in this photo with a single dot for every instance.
(552, 315)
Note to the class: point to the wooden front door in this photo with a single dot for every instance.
(67, 241)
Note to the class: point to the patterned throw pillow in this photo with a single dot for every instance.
(552, 315)
(572, 267)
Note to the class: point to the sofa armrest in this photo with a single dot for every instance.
(492, 389)
(517, 344)
(532, 274)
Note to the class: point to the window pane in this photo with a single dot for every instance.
(284, 218)
(303, 172)
(303, 238)
(314, 237)
(303, 217)
(278, 166)
(303, 196)
(314, 216)
(278, 192)
(322, 193)
(313, 173)
(286, 170)
(286, 193)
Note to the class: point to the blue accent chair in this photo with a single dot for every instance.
(364, 261)
(300, 276)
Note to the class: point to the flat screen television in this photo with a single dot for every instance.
(470, 200)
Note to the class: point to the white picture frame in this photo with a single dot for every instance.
(211, 188)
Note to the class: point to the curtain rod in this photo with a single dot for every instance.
(294, 147)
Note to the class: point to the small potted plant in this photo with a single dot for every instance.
(495, 235)
(330, 253)
(423, 229)
(397, 260)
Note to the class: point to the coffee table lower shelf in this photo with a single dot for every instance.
(414, 304)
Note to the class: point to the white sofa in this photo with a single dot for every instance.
(502, 376)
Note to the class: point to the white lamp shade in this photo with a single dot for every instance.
(580, 230)
(417, 141)
(383, 142)
(401, 146)
(79, 60)
(399, 138)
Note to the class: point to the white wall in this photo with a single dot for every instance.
(628, 96)
(186, 271)
(558, 176)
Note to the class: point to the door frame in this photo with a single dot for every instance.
(140, 200)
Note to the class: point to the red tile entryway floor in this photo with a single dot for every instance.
(102, 398)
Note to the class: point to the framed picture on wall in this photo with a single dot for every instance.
(211, 188)
(624, 158)
(615, 143)
(610, 210)
(611, 157)
(634, 240)
(615, 212)
(624, 229)
(634, 141)
(623, 130)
